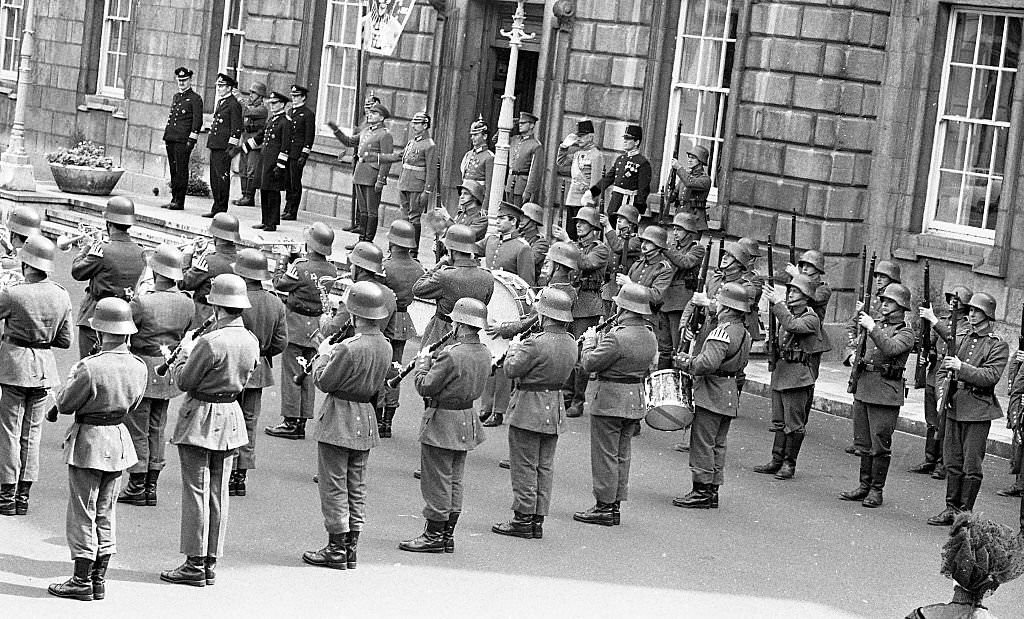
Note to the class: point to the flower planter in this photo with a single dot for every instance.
(81, 179)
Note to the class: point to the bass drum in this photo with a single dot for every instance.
(512, 300)
(668, 401)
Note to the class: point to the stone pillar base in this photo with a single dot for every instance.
(16, 173)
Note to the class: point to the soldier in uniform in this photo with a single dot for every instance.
(449, 380)
(792, 376)
(101, 389)
(112, 269)
(470, 212)
(1015, 423)
(686, 254)
(181, 135)
(254, 123)
(351, 374)
(754, 317)
(622, 357)
(373, 144)
(811, 265)
(478, 163)
(36, 317)
(22, 223)
(212, 371)
(732, 269)
(530, 231)
(301, 133)
(273, 173)
(879, 392)
(654, 271)
(624, 246)
(629, 177)
(718, 360)
(540, 365)
(267, 319)
(586, 163)
(525, 163)
(695, 185)
(161, 317)
(302, 282)
(978, 363)
(224, 142)
(203, 268)
(416, 182)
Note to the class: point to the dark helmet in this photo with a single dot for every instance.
(366, 300)
(225, 226)
(627, 212)
(898, 293)
(403, 234)
(985, 302)
(738, 252)
(804, 284)
(890, 270)
(113, 315)
(734, 296)
(534, 212)
(633, 297)
(700, 153)
(320, 238)
(120, 210)
(687, 220)
(167, 260)
(366, 255)
(461, 237)
(470, 311)
(251, 263)
(24, 220)
(960, 292)
(814, 258)
(38, 252)
(475, 189)
(753, 247)
(228, 290)
(656, 235)
(555, 304)
(589, 215)
(565, 254)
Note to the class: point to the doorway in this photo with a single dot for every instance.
(498, 51)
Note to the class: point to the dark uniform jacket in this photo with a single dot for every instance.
(940, 333)
(162, 318)
(822, 295)
(478, 165)
(254, 122)
(37, 317)
(372, 144)
(593, 262)
(622, 357)
(302, 131)
(199, 281)
(720, 360)
(447, 285)
(540, 365)
(616, 264)
(984, 358)
(538, 245)
(687, 258)
(267, 320)
(510, 253)
(694, 194)
(654, 273)
(889, 345)
(449, 382)
(525, 166)
(275, 139)
(186, 117)
(629, 176)
(716, 280)
(799, 336)
(226, 128)
(475, 217)
(304, 301)
(113, 274)
(419, 164)
(401, 272)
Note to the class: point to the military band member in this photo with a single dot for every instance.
(22, 222)
(686, 254)
(273, 144)
(530, 230)
(373, 143)
(300, 145)
(112, 269)
(792, 379)
(101, 389)
(470, 212)
(654, 271)
(978, 363)
(1015, 423)
(181, 135)
(586, 164)
(212, 371)
(478, 163)
(560, 271)
(539, 365)
(36, 317)
(305, 306)
(626, 222)
(267, 319)
(161, 317)
(525, 163)
(351, 374)
(254, 123)
(417, 180)
(695, 184)
(629, 177)
(879, 392)
(224, 141)
(205, 266)
(449, 380)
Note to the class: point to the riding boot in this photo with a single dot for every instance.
(778, 453)
(861, 491)
(879, 472)
(351, 542)
(79, 586)
(134, 493)
(417, 229)
(98, 575)
(152, 476)
(449, 532)
(521, 525)
(431, 540)
(954, 490)
(793, 443)
(240, 482)
(384, 428)
(7, 493)
(334, 555)
(192, 572)
(21, 498)
(971, 487)
(603, 514)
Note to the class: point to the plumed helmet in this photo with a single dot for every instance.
(366, 255)
(403, 234)
(228, 290)
(804, 284)
(656, 235)
(167, 260)
(555, 304)
(113, 315)
(985, 302)
(24, 220)
(120, 210)
(320, 238)
(252, 264)
(366, 300)
(460, 237)
(814, 258)
(589, 215)
(478, 126)
(889, 269)
(898, 293)
(633, 297)
(566, 254)
(38, 251)
(470, 311)
(225, 226)
(734, 296)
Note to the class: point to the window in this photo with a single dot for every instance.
(232, 37)
(339, 63)
(12, 23)
(113, 69)
(972, 125)
(701, 74)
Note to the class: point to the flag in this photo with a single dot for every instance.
(384, 23)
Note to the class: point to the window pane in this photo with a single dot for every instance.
(958, 90)
(235, 14)
(965, 37)
(1012, 43)
(331, 101)
(954, 146)
(984, 95)
(975, 201)
(980, 156)
(999, 158)
(991, 45)
(948, 198)
(694, 16)
(717, 14)
(1006, 81)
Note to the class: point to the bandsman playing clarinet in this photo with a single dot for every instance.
(205, 266)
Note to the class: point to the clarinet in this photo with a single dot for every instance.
(161, 370)
(607, 324)
(307, 364)
(394, 381)
(530, 327)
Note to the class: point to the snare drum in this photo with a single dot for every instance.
(668, 401)
(512, 300)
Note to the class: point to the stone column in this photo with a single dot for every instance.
(15, 166)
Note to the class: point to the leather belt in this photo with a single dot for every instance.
(100, 418)
(520, 173)
(415, 168)
(623, 191)
(621, 381)
(305, 312)
(354, 397)
(25, 343)
(214, 398)
(537, 388)
(453, 405)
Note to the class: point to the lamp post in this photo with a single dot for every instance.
(515, 37)
(15, 166)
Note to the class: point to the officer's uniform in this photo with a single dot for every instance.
(693, 197)
(101, 389)
(301, 132)
(589, 307)
(372, 145)
(210, 428)
(655, 273)
(525, 169)
(793, 378)
(198, 281)
(630, 182)
(180, 136)
(448, 284)
(352, 376)
(687, 257)
(622, 358)
(449, 381)
(478, 165)
(254, 123)
(585, 166)
(225, 137)
(419, 167)
(113, 273)
(273, 179)
(401, 272)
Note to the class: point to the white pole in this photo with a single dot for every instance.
(15, 166)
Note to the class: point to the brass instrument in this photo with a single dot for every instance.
(10, 278)
(161, 370)
(85, 231)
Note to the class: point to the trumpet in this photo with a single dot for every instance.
(196, 244)
(65, 242)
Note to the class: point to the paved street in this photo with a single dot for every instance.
(774, 549)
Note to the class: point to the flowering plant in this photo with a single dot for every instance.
(86, 154)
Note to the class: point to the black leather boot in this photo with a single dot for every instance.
(971, 488)
(954, 491)
(210, 569)
(449, 532)
(21, 498)
(192, 572)
(538, 526)
(417, 230)
(333, 555)
(79, 586)
(939, 472)
(134, 492)
(152, 476)
(861, 491)
(931, 448)
(240, 481)
(233, 484)
(7, 492)
(700, 497)
(351, 542)
(794, 442)
(384, 427)
(431, 540)
(495, 420)
(290, 428)
(603, 514)
(521, 525)
(98, 575)
(879, 472)
(713, 488)
(778, 453)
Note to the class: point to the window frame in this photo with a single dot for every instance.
(228, 32)
(328, 48)
(5, 10)
(104, 52)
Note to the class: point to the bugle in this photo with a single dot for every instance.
(65, 242)
(161, 370)
(409, 367)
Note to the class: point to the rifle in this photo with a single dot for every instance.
(944, 390)
(439, 249)
(699, 314)
(925, 355)
(669, 186)
(721, 249)
(792, 239)
(858, 361)
(409, 367)
(600, 205)
(771, 345)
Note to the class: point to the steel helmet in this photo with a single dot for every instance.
(461, 237)
(555, 304)
(814, 258)
(251, 263)
(225, 226)
(534, 211)
(228, 290)
(475, 189)
(627, 212)
(656, 235)
(469, 311)
(700, 153)
(113, 315)
(890, 270)
(804, 284)
(366, 255)
(961, 292)
(898, 293)
(687, 220)
(403, 234)
(24, 220)
(38, 251)
(985, 302)
(738, 252)
(753, 247)
(366, 300)
(120, 210)
(565, 254)
(167, 260)
(589, 215)
(320, 238)
(633, 297)
(734, 296)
